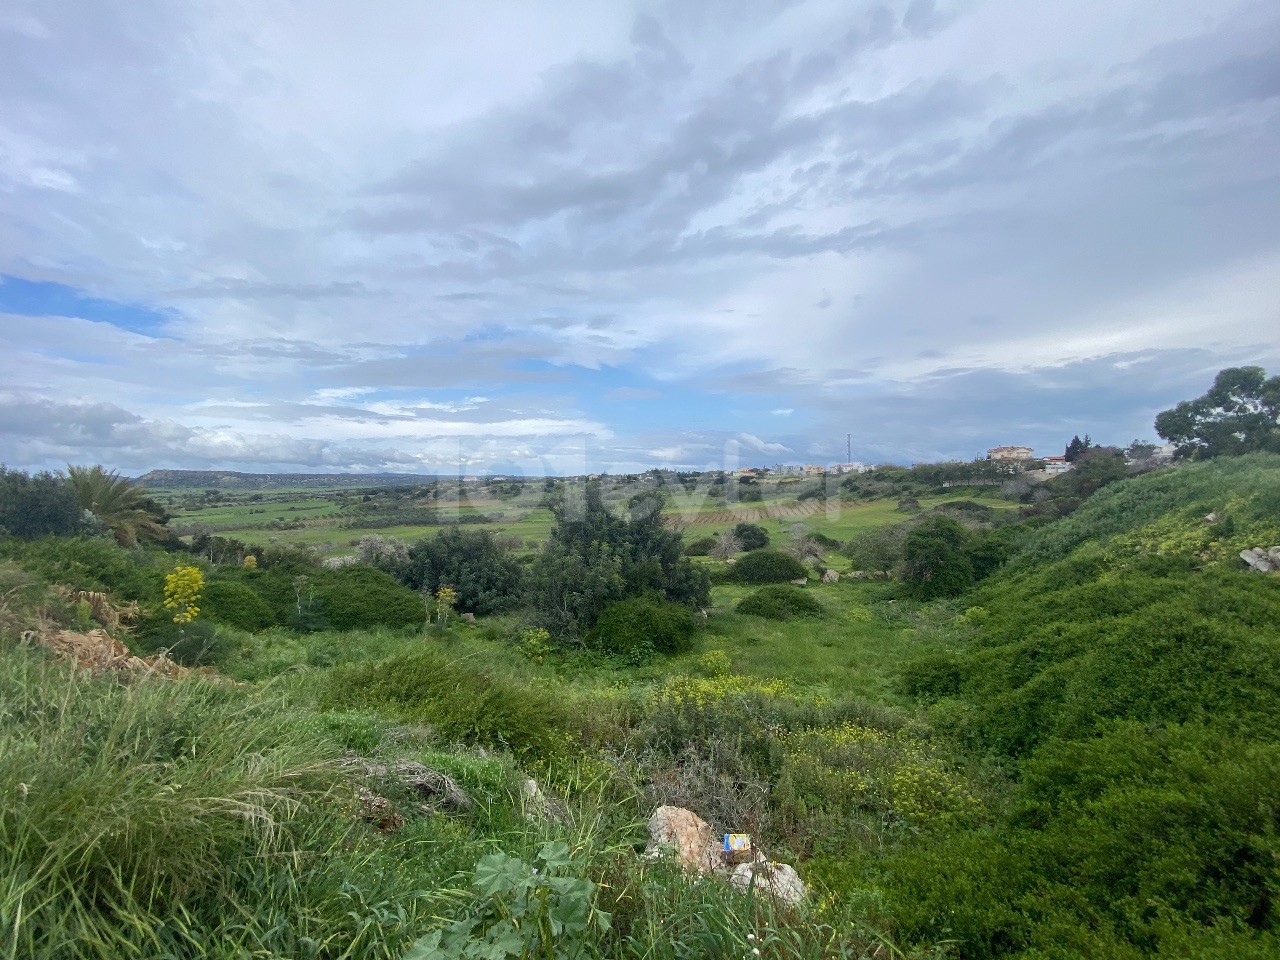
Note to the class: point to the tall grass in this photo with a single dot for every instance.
(176, 819)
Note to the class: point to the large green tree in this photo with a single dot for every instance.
(120, 506)
(1239, 414)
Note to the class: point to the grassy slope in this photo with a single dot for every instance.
(876, 817)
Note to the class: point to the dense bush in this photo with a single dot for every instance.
(879, 548)
(752, 536)
(595, 557)
(92, 563)
(767, 566)
(780, 602)
(483, 573)
(237, 605)
(633, 630)
(1135, 686)
(935, 562)
(37, 505)
(357, 597)
(701, 547)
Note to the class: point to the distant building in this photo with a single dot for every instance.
(810, 469)
(1010, 453)
(854, 467)
(1054, 465)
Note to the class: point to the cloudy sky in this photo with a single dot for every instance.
(553, 237)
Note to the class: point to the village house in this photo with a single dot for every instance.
(1010, 453)
(1055, 465)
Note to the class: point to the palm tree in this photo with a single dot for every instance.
(121, 507)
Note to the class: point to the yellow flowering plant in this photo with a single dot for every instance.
(182, 590)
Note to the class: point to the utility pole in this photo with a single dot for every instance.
(848, 448)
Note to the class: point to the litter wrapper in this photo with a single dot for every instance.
(737, 843)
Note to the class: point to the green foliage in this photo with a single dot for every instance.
(1192, 491)
(935, 560)
(1132, 675)
(458, 699)
(238, 605)
(91, 563)
(124, 509)
(701, 547)
(37, 505)
(752, 536)
(473, 562)
(544, 910)
(594, 557)
(780, 602)
(183, 819)
(635, 629)
(1239, 414)
(879, 548)
(346, 598)
(767, 566)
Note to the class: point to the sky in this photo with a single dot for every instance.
(554, 237)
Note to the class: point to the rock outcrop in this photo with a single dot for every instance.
(1263, 561)
(435, 790)
(764, 877)
(686, 835)
(831, 576)
(689, 839)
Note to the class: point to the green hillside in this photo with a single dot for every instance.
(1077, 757)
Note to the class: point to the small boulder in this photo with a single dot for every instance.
(800, 581)
(468, 618)
(831, 576)
(686, 835)
(777, 880)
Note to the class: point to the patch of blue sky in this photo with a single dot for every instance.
(45, 298)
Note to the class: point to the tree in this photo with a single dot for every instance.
(482, 571)
(1097, 467)
(752, 536)
(594, 557)
(935, 560)
(1239, 414)
(1077, 447)
(727, 544)
(37, 505)
(124, 509)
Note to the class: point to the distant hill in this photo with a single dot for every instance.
(231, 480)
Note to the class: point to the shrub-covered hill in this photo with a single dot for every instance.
(1126, 669)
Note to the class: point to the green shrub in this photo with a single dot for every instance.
(780, 602)
(752, 536)
(701, 547)
(93, 563)
(37, 505)
(237, 605)
(460, 701)
(934, 559)
(481, 570)
(357, 597)
(633, 630)
(767, 566)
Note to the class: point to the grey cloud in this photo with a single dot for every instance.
(237, 288)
